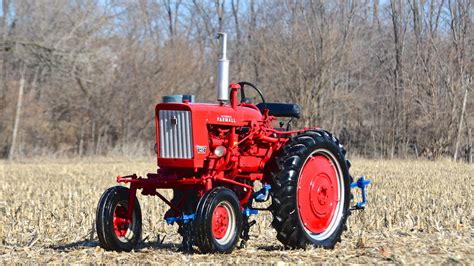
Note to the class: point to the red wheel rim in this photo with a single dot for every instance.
(318, 193)
(120, 221)
(220, 222)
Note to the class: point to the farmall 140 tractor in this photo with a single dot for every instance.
(211, 155)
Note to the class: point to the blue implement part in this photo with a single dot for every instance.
(247, 212)
(361, 183)
(262, 194)
(184, 218)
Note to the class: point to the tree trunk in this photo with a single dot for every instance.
(3, 75)
(469, 136)
(16, 125)
(81, 140)
(460, 125)
(399, 111)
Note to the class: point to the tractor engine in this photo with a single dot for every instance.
(213, 137)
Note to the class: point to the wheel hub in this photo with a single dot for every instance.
(322, 195)
(317, 194)
(220, 222)
(120, 221)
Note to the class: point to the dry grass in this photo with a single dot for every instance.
(417, 212)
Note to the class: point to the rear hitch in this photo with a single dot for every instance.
(361, 183)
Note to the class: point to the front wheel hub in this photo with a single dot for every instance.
(220, 222)
(120, 221)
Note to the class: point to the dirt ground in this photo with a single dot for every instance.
(417, 212)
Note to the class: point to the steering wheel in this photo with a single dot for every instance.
(244, 99)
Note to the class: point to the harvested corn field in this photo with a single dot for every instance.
(417, 212)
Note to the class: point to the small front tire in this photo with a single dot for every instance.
(114, 231)
(218, 221)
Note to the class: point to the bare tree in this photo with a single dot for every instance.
(19, 104)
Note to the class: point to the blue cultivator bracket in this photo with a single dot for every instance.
(360, 183)
(184, 219)
(262, 194)
(247, 212)
(259, 196)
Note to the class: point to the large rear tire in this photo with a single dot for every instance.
(113, 229)
(311, 191)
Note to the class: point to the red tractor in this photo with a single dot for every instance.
(212, 155)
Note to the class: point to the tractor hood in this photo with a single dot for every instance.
(214, 113)
(182, 137)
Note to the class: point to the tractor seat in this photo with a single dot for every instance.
(281, 109)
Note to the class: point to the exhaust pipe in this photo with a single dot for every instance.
(223, 71)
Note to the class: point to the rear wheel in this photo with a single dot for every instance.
(218, 221)
(113, 229)
(311, 191)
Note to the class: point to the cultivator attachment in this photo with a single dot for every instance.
(180, 219)
(361, 183)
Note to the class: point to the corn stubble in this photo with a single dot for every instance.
(418, 211)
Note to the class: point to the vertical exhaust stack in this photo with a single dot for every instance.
(223, 71)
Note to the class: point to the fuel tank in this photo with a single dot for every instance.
(182, 130)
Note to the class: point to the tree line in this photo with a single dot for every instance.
(392, 79)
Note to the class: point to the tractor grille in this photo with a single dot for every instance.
(175, 134)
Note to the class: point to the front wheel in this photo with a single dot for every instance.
(113, 229)
(312, 191)
(218, 221)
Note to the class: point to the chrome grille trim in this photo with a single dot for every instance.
(175, 134)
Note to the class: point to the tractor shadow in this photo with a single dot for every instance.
(95, 243)
(271, 248)
(158, 245)
(149, 245)
(75, 245)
